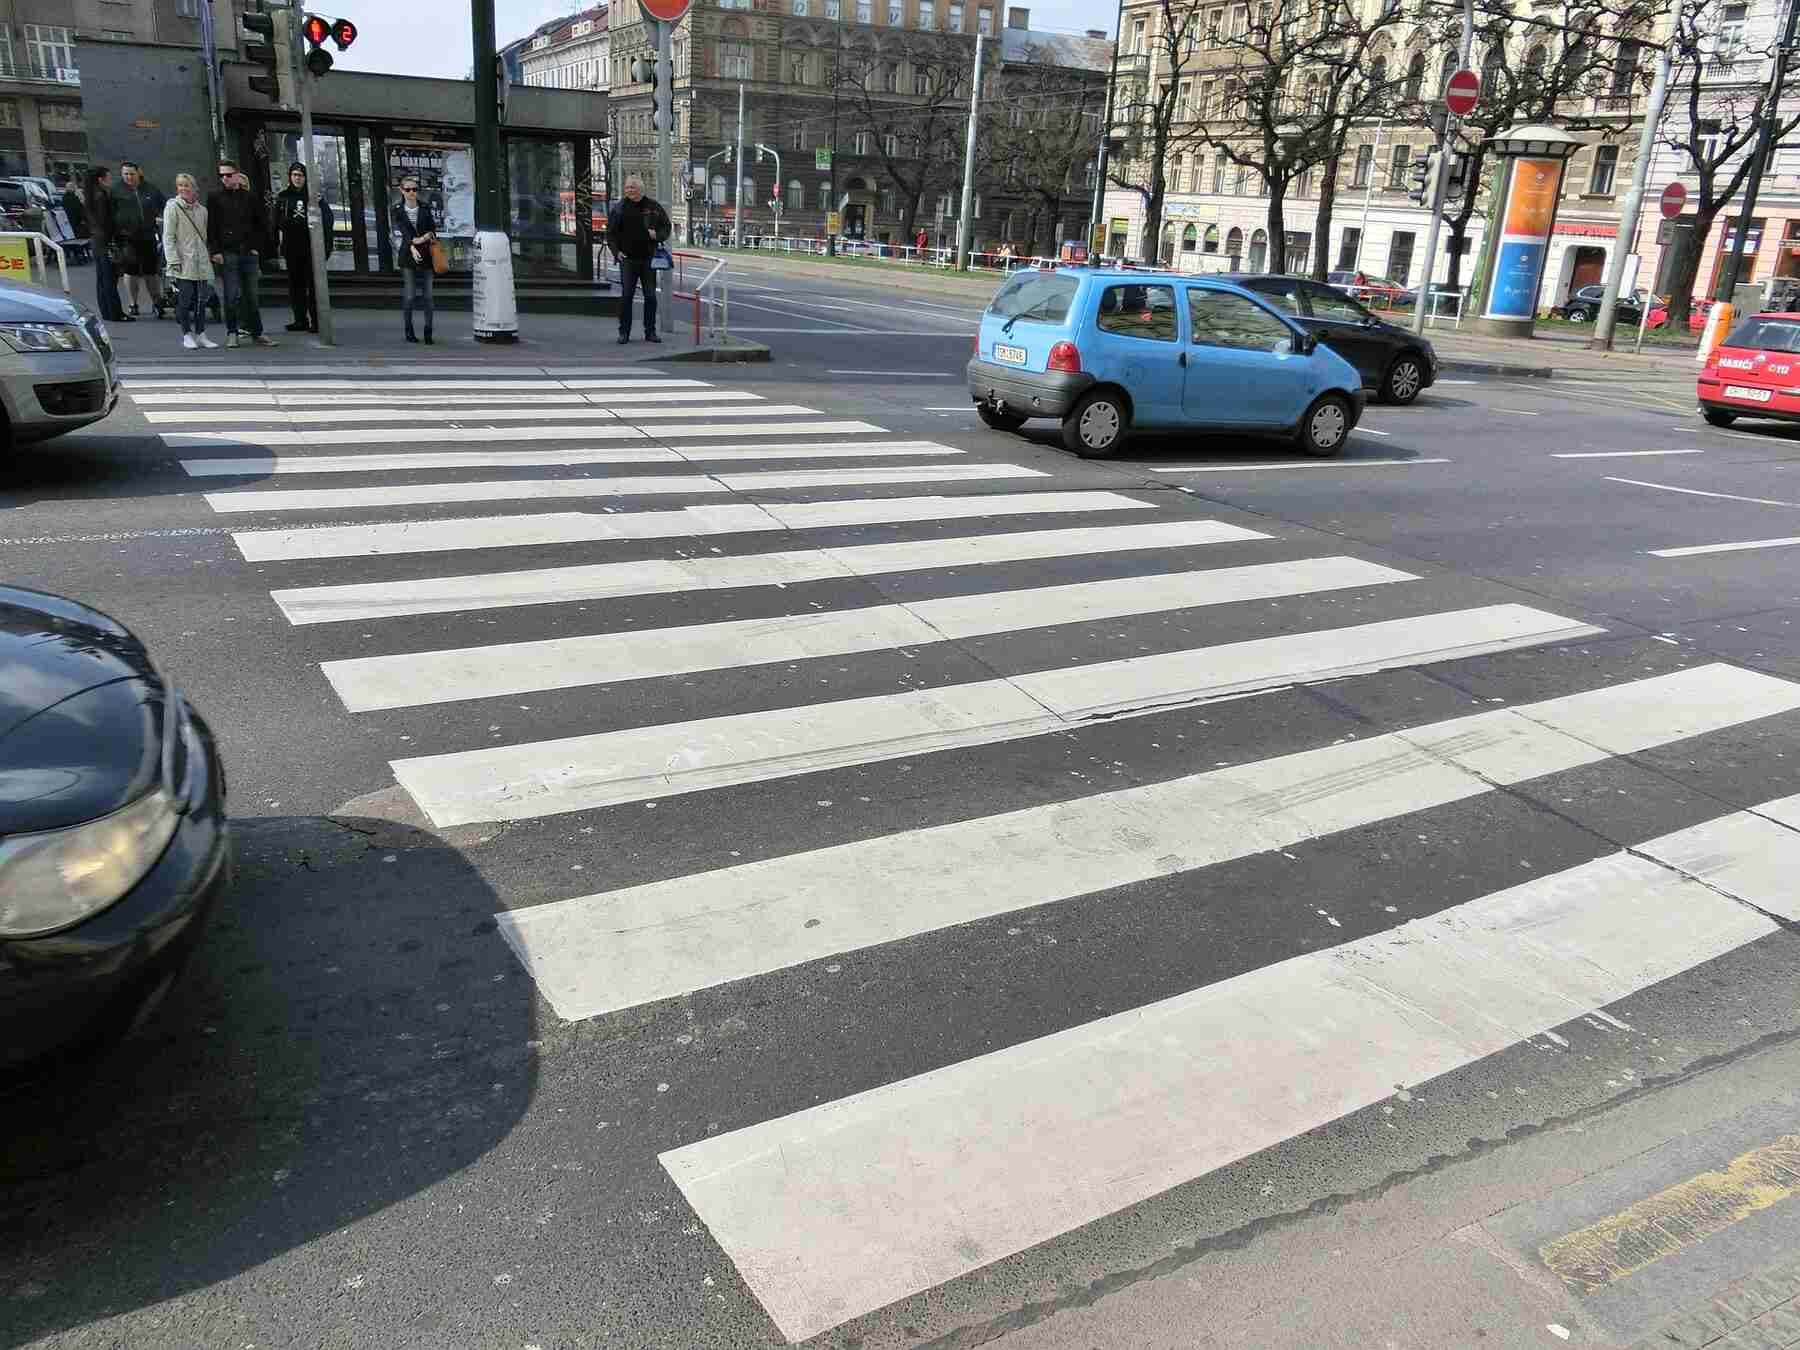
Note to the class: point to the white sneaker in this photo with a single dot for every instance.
(231, 339)
(187, 340)
(207, 343)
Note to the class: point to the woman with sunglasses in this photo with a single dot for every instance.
(415, 229)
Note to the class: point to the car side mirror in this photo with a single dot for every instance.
(1306, 343)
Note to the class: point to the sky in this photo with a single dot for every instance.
(393, 42)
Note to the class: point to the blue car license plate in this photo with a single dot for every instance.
(1012, 356)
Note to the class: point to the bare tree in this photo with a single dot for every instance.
(1149, 119)
(1718, 88)
(909, 97)
(1037, 136)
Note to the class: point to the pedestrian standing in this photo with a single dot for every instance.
(296, 248)
(416, 229)
(74, 208)
(189, 258)
(106, 245)
(137, 219)
(635, 227)
(237, 235)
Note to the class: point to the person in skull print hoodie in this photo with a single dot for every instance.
(296, 247)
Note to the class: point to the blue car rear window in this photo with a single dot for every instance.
(1040, 297)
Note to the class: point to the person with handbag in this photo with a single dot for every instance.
(420, 254)
(109, 249)
(636, 229)
(189, 260)
(296, 247)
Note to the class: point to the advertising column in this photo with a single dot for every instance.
(1509, 299)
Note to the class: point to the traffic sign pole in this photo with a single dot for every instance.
(1628, 213)
(1435, 223)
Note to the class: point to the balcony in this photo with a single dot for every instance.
(12, 68)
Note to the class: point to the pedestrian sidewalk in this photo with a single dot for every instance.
(377, 336)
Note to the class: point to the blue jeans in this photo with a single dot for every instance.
(238, 275)
(190, 305)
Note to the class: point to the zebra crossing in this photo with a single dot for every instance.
(837, 1209)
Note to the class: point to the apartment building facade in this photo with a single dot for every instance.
(573, 52)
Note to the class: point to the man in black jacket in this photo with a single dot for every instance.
(137, 224)
(634, 227)
(237, 232)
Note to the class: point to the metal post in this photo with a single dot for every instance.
(1422, 309)
(1368, 192)
(737, 177)
(965, 230)
(1728, 274)
(496, 315)
(665, 163)
(1112, 83)
(775, 154)
(1628, 214)
(315, 234)
(836, 75)
(209, 48)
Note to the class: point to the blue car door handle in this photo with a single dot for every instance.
(1182, 360)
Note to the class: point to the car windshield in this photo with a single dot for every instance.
(1766, 335)
(1041, 297)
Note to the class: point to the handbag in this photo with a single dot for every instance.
(440, 257)
(660, 261)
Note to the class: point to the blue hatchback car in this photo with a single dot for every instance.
(1110, 352)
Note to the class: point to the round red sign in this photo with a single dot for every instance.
(1674, 197)
(669, 11)
(1462, 92)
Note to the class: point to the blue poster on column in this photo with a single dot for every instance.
(1516, 268)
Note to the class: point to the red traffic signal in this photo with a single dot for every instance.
(315, 30)
(343, 32)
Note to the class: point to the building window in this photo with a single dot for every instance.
(1624, 71)
(896, 13)
(734, 60)
(796, 195)
(1349, 249)
(1400, 251)
(1365, 162)
(890, 77)
(802, 8)
(721, 185)
(1190, 239)
(1137, 37)
(1606, 168)
(1397, 167)
(865, 11)
(890, 145)
(824, 195)
(1219, 176)
(927, 14)
(187, 9)
(49, 50)
(984, 21)
(953, 18)
(862, 143)
(834, 9)
(1243, 179)
(921, 81)
(888, 203)
(798, 141)
(1415, 77)
(1730, 40)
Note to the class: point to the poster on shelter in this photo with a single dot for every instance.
(446, 174)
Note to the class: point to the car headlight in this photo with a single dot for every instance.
(41, 337)
(59, 877)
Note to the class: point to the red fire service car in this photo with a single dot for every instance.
(1755, 372)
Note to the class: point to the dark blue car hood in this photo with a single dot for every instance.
(81, 710)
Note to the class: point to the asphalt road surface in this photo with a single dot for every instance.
(737, 856)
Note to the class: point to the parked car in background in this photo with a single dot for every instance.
(1754, 372)
(1584, 306)
(1393, 362)
(1108, 354)
(57, 368)
(113, 839)
(24, 204)
(1377, 291)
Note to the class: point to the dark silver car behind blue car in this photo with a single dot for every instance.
(57, 366)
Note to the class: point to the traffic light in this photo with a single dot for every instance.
(1458, 184)
(268, 41)
(316, 30)
(644, 71)
(343, 33)
(1419, 173)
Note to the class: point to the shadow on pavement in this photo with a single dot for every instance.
(349, 1031)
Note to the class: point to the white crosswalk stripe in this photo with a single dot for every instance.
(1035, 617)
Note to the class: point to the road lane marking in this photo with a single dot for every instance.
(394, 388)
(642, 453)
(1676, 1218)
(534, 489)
(1293, 464)
(1516, 412)
(698, 521)
(412, 679)
(1370, 431)
(1695, 549)
(1696, 492)
(521, 782)
(843, 1208)
(416, 416)
(597, 581)
(1620, 454)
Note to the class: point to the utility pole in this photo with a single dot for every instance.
(836, 76)
(664, 96)
(315, 234)
(966, 229)
(1112, 83)
(737, 176)
(1728, 274)
(1368, 192)
(495, 303)
(1634, 204)
(1422, 307)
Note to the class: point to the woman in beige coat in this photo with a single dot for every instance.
(187, 261)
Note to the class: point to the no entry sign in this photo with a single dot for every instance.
(1462, 92)
(1674, 197)
(669, 11)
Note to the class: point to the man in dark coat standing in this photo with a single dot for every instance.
(296, 248)
(137, 223)
(634, 227)
(237, 233)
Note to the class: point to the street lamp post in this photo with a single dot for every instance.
(496, 307)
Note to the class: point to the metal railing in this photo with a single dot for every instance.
(718, 304)
(38, 243)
